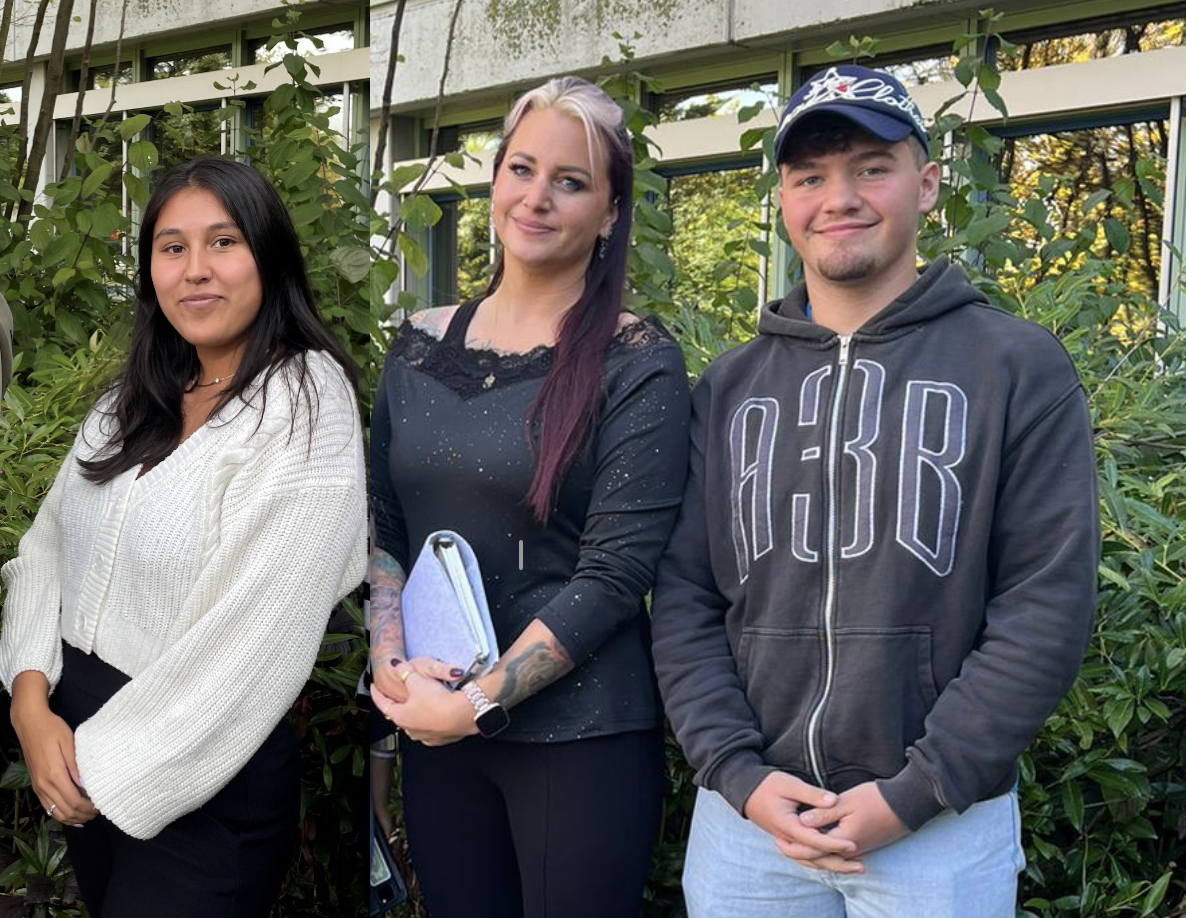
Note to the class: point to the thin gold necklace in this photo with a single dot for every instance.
(213, 382)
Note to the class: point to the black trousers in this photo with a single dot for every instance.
(227, 858)
(533, 830)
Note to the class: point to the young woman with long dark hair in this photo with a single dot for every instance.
(549, 428)
(173, 590)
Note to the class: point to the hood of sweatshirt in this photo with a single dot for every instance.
(941, 287)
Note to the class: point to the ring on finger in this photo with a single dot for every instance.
(50, 811)
(405, 675)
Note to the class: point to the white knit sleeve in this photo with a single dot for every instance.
(30, 638)
(291, 541)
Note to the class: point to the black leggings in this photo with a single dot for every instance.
(533, 830)
(226, 858)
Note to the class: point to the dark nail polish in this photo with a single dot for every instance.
(396, 661)
(457, 673)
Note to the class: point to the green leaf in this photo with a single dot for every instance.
(304, 214)
(1117, 235)
(65, 192)
(749, 112)
(106, 221)
(995, 100)
(301, 172)
(419, 212)
(143, 155)
(404, 175)
(987, 77)
(766, 183)
(130, 127)
(1117, 714)
(136, 189)
(980, 230)
(1156, 894)
(70, 325)
(353, 262)
(1072, 804)
(414, 255)
(1094, 200)
(751, 136)
(63, 275)
(15, 777)
(41, 234)
(93, 181)
(965, 70)
(297, 68)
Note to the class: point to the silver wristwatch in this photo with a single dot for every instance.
(490, 716)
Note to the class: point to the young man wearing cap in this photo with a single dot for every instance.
(882, 578)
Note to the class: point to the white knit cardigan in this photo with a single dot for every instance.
(209, 581)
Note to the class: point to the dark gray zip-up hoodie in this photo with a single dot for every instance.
(885, 564)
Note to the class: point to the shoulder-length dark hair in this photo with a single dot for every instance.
(569, 400)
(161, 364)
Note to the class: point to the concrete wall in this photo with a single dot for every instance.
(509, 42)
(146, 19)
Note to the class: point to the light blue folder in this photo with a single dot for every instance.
(444, 609)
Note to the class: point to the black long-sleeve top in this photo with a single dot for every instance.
(449, 451)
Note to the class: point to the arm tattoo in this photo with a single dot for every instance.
(540, 664)
(387, 626)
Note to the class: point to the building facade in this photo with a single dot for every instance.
(1094, 92)
(174, 53)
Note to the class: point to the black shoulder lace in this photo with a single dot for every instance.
(471, 371)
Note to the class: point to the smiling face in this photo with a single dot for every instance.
(852, 214)
(205, 276)
(551, 198)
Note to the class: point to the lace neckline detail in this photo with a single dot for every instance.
(472, 371)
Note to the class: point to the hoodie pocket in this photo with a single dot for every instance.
(882, 691)
(782, 673)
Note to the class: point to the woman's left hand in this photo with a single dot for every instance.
(433, 714)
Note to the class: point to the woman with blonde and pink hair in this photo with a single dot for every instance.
(548, 426)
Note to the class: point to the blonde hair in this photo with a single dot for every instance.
(580, 100)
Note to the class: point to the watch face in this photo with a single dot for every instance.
(493, 720)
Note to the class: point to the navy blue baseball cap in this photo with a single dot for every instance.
(871, 99)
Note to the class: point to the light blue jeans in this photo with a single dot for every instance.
(956, 866)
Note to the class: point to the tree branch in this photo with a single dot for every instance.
(45, 118)
(76, 124)
(26, 88)
(385, 111)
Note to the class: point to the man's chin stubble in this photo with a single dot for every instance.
(842, 270)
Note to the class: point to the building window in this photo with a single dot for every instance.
(10, 93)
(1064, 168)
(714, 216)
(915, 67)
(1096, 38)
(475, 137)
(100, 77)
(461, 249)
(180, 138)
(920, 66)
(261, 123)
(189, 62)
(333, 39)
(714, 99)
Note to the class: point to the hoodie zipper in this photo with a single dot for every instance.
(831, 548)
